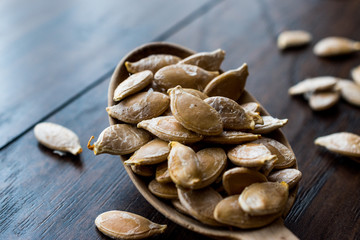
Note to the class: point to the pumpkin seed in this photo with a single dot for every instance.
(268, 166)
(264, 198)
(270, 124)
(349, 91)
(236, 179)
(163, 190)
(169, 129)
(185, 75)
(119, 139)
(333, 46)
(291, 176)
(209, 61)
(295, 38)
(125, 225)
(228, 211)
(233, 116)
(344, 143)
(230, 84)
(153, 152)
(195, 93)
(200, 203)
(179, 207)
(162, 174)
(152, 63)
(193, 113)
(251, 106)
(355, 74)
(143, 170)
(57, 137)
(133, 84)
(323, 100)
(183, 165)
(250, 155)
(313, 85)
(141, 106)
(232, 137)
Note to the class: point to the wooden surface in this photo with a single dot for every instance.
(56, 58)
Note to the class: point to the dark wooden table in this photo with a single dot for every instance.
(56, 59)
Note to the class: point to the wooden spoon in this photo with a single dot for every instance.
(276, 230)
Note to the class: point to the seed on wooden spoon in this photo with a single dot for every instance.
(229, 212)
(153, 152)
(185, 75)
(133, 84)
(193, 113)
(230, 84)
(251, 106)
(195, 93)
(290, 175)
(200, 203)
(264, 198)
(232, 137)
(349, 91)
(333, 46)
(179, 207)
(152, 63)
(143, 170)
(269, 125)
(323, 100)
(163, 190)
(139, 107)
(344, 143)
(119, 139)
(57, 137)
(294, 38)
(355, 74)
(162, 174)
(125, 225)
(313, 84)
(210, 61)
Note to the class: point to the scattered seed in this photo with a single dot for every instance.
(344, 143)
(295, 38)
(349, 91)
(333, 46)
(313, 85)
(355, 74)
(323, 100)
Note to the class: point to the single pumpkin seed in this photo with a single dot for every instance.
(139, 107)
(133, 84)
(344, 143)
(235, 180)
(185, 75)
(153, 152)
(125, 225)
(313, 85)
(333, 46)
(179, 207)
(230, 84)
(294, 38)
(195, 93)
(251, 106)
(152, 63)
(264, 198)
(233, 116)
(162, 174)
(250, 155)
(355, 74)
(268, 166)
(290, 175)
(57, 137)
(270, 124)
(119, 139)
(193, 113)
(209, 61)
(229, 212)
(183, 165)
(169, 129)
(143, 170)
(349, 91)
(200, 204)
(232, 137)
(323, 100)
(163, 190)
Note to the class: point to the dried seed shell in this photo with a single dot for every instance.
(232, 137)
(195, 93)
(169, 129)
(153, 152)
(251, 106)
(185, 75)
(162, 174)
(270, 124)
(264, 198)
(295, 38)
(228, 211)
(143, 170)
(152, 63)
(209, 61)
(119, 139)
(333, 46)
(133, 84)
(57, 137)
(125, 225)
(355, 74)
(235, 180)
(290, 175)
(139, 107)
(313, 84)
(163, 190)
(344, 143)
(200, 204)
(323, 100)
(230, 84)
(193, 113)
(233, 116)
(349, 91)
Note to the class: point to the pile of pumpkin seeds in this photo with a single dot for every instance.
(182, 127)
